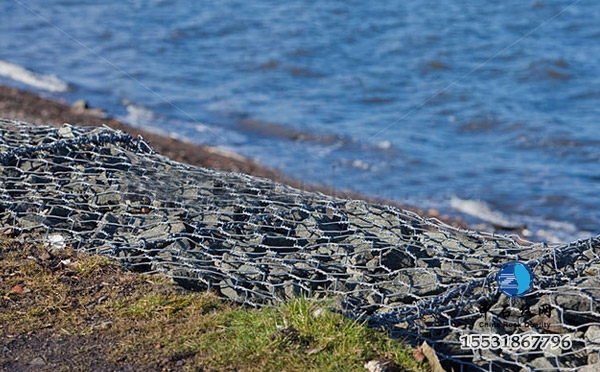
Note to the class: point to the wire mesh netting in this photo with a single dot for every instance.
(258, 242)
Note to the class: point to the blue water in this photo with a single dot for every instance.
(428, 102)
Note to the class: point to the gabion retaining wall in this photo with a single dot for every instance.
(258, 242)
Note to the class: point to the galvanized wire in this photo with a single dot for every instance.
(258, 242)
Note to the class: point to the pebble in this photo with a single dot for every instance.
(37, 362)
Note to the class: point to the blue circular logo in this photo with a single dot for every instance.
(515, 279)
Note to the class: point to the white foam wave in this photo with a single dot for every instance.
(138, 115)
(538, 228)
(483, 211)
(196, 132)
(46, 82)
(557, 231)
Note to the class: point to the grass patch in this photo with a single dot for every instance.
(71, 311)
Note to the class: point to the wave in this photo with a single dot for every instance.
(138, 115)
(46, 82)
(141, 116)
(539, 228)
(483, 211)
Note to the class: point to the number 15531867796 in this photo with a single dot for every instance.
(521, 341)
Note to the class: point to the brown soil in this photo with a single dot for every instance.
(54, 315)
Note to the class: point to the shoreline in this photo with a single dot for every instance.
(27, 106)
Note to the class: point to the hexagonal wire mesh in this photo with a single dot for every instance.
(258, 242)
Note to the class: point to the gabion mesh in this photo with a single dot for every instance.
(258, 242)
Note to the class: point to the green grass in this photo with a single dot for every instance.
(300, 336)
(85, 310)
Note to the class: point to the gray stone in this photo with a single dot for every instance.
(590, 368)
(543, 363)
(227, 290)
(593, 334)
(37, 362)
(420, 284)
(109, 224)
(31, 221)
(65, 131)
(109, 198)
(593, 359)
(250, 272)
